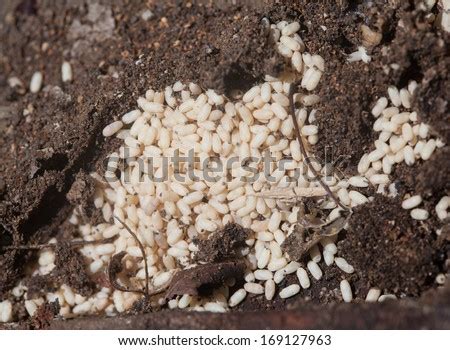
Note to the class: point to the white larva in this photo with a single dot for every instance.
(276, 264)
(266, 92)
(423, 130)
(372, 295)
(131, 116)
(251, 94)
(66, 72)
(151, 107)
(297, 61)
(36, 82)
(307, 58)
(274, 222)
(319, 62)
(249, 276)
(428, 149)
(419, 214)
(112, 128)
(358, 181)
(394, 95)
(380, 105)
(308, 130)
(6, 311)
(31, 307)
(387, 165)
(279, 110)
(375, 155)
(82, 308)
(440, 279)
(290, 29)
(281, 99)
(311, 79)
(396, 144)
(344, 265)
(263, 258)
(237, 297)
(46, 258)
(292, 267)
(289, 291)
(263, 275)
(409, 155)
(95, 266)
(441, 208)
(162, 279)
(105, 249)
(419, 147)
(279, 276)
(364, 164)
(328, 257)
(382, 145)
(184, 301)
(269, 289)
(214, 307)
(253, 288)
(290, 43)
(379, 179)
(407, 132)
(412, 202)
(357, 198)
(314, 269)
(275, 249)
(386, 297)
(284, 50)
(346, 291)
(412, 86)
(264, 236)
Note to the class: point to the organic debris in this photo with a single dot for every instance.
(202, 278)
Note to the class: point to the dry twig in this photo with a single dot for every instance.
(144, 255)
(305, 154)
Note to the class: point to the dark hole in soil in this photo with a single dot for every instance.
(49, 207)
(346, 44)
(57, 161)
(237, 79)
(6, 238)
(413, 72)
(353, 5)
(27, 7)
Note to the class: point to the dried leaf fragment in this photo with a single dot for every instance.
(199, 279)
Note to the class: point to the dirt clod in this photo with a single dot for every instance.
(221, 245)
(70, 269)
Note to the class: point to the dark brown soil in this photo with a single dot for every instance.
(116, 55)
(222, 245)
(389, 250)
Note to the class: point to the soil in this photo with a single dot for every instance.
(222, 245)
(52, 140)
